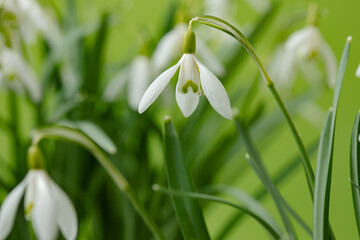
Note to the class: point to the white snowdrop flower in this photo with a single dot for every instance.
(46, 205)
(137, 77)
(169, 48)
(17, 74)
(301, 50)
(358, 72)
(30, 18)
(194, 80)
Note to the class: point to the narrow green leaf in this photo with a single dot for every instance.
(322, 229)
(250, 206)
(322, 181)
(188, 212)
(355, 168)
(94, 132)
(256, 163)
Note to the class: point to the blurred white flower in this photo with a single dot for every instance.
(217, 8)
(169, 49)
(137, 76)
(301, 52)
(194, 80)
(46, 205)
(358, 72)
(30, 18)
(17, 74)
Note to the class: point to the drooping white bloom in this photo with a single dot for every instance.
(301, 52)
(358, 72)
(46, 205)
(194, 80)
(169, 49)
(17, 74)
(137, 76)
(31, 17)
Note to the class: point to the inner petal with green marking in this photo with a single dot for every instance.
(189, 77)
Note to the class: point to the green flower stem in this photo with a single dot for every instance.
(234, 32)
(68, 134)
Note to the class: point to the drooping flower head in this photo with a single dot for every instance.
(17, 74)
(46, 205)
(194, 80)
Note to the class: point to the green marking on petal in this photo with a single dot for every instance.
(190, 84)
(28, 210)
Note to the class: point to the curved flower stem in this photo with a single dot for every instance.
(234, 32)
(68, 134)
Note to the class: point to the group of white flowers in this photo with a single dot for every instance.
(46, 205)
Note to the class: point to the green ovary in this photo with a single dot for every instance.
(190, 84)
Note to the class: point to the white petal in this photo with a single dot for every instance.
(44, 215)
(208, 58)
(187, 102)
(215, 92)
(9, 208)
(140, 75)
(358, 72)
(169, 47)
(330, 63)
(156, 87)
(115, 85)
(189, 72)
(30, 194)
(66, 214)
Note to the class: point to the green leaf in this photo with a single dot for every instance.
(322, 228)
(355, 168)
(188, 212)
(250, 206)
(323, 181)
(256, 163)
(94, 132)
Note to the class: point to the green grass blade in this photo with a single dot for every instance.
(322, 182)
(256, 162)
(188, 212)
(322, 229)
(355, 168)
(250, 207)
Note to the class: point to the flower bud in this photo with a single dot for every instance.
(35, 157)
(189, 42)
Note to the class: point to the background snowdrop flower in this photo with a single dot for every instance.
(46, 205)
(17, 74)
(137, 76)
(194, 80)
(299, 53)
(170, 47)
(358, 72)
(31, 17)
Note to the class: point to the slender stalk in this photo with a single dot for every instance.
(120, 181)
(234, 32)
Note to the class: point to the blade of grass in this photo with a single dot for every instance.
(322, 229)
(187, 211)
(355, 168)
(250, 207)
(280, 176)
(256, 163)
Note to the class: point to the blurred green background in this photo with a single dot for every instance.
(340, 19)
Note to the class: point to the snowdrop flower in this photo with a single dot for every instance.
(137, 76)
(300, 52)
(358, 72)
(170, 46)
(30, 18)
(17, 74)
(194, 80)
(46, 204)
